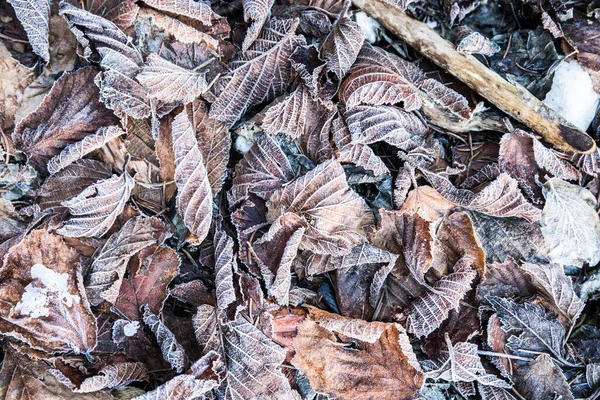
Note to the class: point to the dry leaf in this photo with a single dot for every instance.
(267, 58)
(446, 98)
(426, 202)
(35, 17)
(109, 377)
(198, 10)
(194, 197)
(384, 369)
(256, 12)
(542, 379)
(95, 209)
(570, 224)
(43, 303)
(476, 43)
(180, 387)
(172, 351)
(119, 12)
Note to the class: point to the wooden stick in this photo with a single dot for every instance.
(514, 101)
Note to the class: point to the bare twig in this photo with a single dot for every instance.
(514, 100)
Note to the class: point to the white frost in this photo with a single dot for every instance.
(130, 328)
(242, 145)
(572, 94)
(46, 286)
(369, 27)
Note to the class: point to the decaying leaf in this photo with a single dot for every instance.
(70, 112)
(267, 58)
(179, 388)
(35, 17)
(172, 351)
(542, 379)
(475, 43)
(194, 197)
(256, 12)
(336, 216)
(109, 377)
(119, 12)
(570, 224)
(385, 369)
(43, 303)
(95, 209)
(198, 10)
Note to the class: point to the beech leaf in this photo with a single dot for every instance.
(256, 12)
(35, 17)
(171, 350)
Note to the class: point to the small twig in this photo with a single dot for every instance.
(493, 354)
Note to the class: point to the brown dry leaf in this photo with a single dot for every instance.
(109, 377)
(462, 364)
(194, 197)
(340, 48)
(171, 83)
(267, 58)
(385, 369)
(256, 12)
(379, 77)
(71, 181)
(95, 209)
(446, 98)
(147, 282)
(35, 17)
(552, 281)
(570, 224)
(22, 377)
(198, 10)
(542, 379)
(122, 13)
(43, 302)
(429, 310)
(264, 169)
(362, 330)
(181, 387)
(475, 43)
(171, 350)
(70, 112)
(360, 255)
(370, 124)
(506, 279)
(337, 217)
(214, 142)
(14, 79)
(427, 202)
(103, 280)
(78, 150)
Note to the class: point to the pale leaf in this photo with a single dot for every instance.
(78, 150)
(43, 302)
(570, 224)
(194, 197)
(447, 98)
(171, 83)
(260, 78)
(111, 376)
(370, 124)
(199, 10)
(95, 209)
(494, 393)
(462, 364)
(340, 48)
(360, 255)
(476, 43)
(369, 332)
(171, 350)
(225, 266)
(551, 280)
(337, 217)
(256, 12)
(428, 311)
(34, 15)
(180, 387)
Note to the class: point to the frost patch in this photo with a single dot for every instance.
(130, 328)
(46, 286)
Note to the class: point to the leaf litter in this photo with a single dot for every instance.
(276, 199)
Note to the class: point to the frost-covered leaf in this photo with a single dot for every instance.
(262, 77)
(427, 202)
(551, 280)
(180, 387)
(476, 43)
(536, 329)
(194, 197)
(362, 330)
(337, 217)
(379, 77)
(71, 181)
(446, 98)
(592, 374)
(428, 311)
(34, 15)
(103, 280)
(264, 169)
(256, 12)
(122, 13)
(171, 83)
(69, 112)
(109, 377)
(43, 302)
(360, 255)
(495, 393)
(147, 282)
(570, 224)
(214, 142)
(171, 350)
(78, 150)
(95, 209)
(461, 363)
(341, 47)
(385, 369)
(199, 10)
(370, 124)
(292, 116)
(542, 379)
(225, 266)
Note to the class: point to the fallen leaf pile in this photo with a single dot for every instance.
(264, 199)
